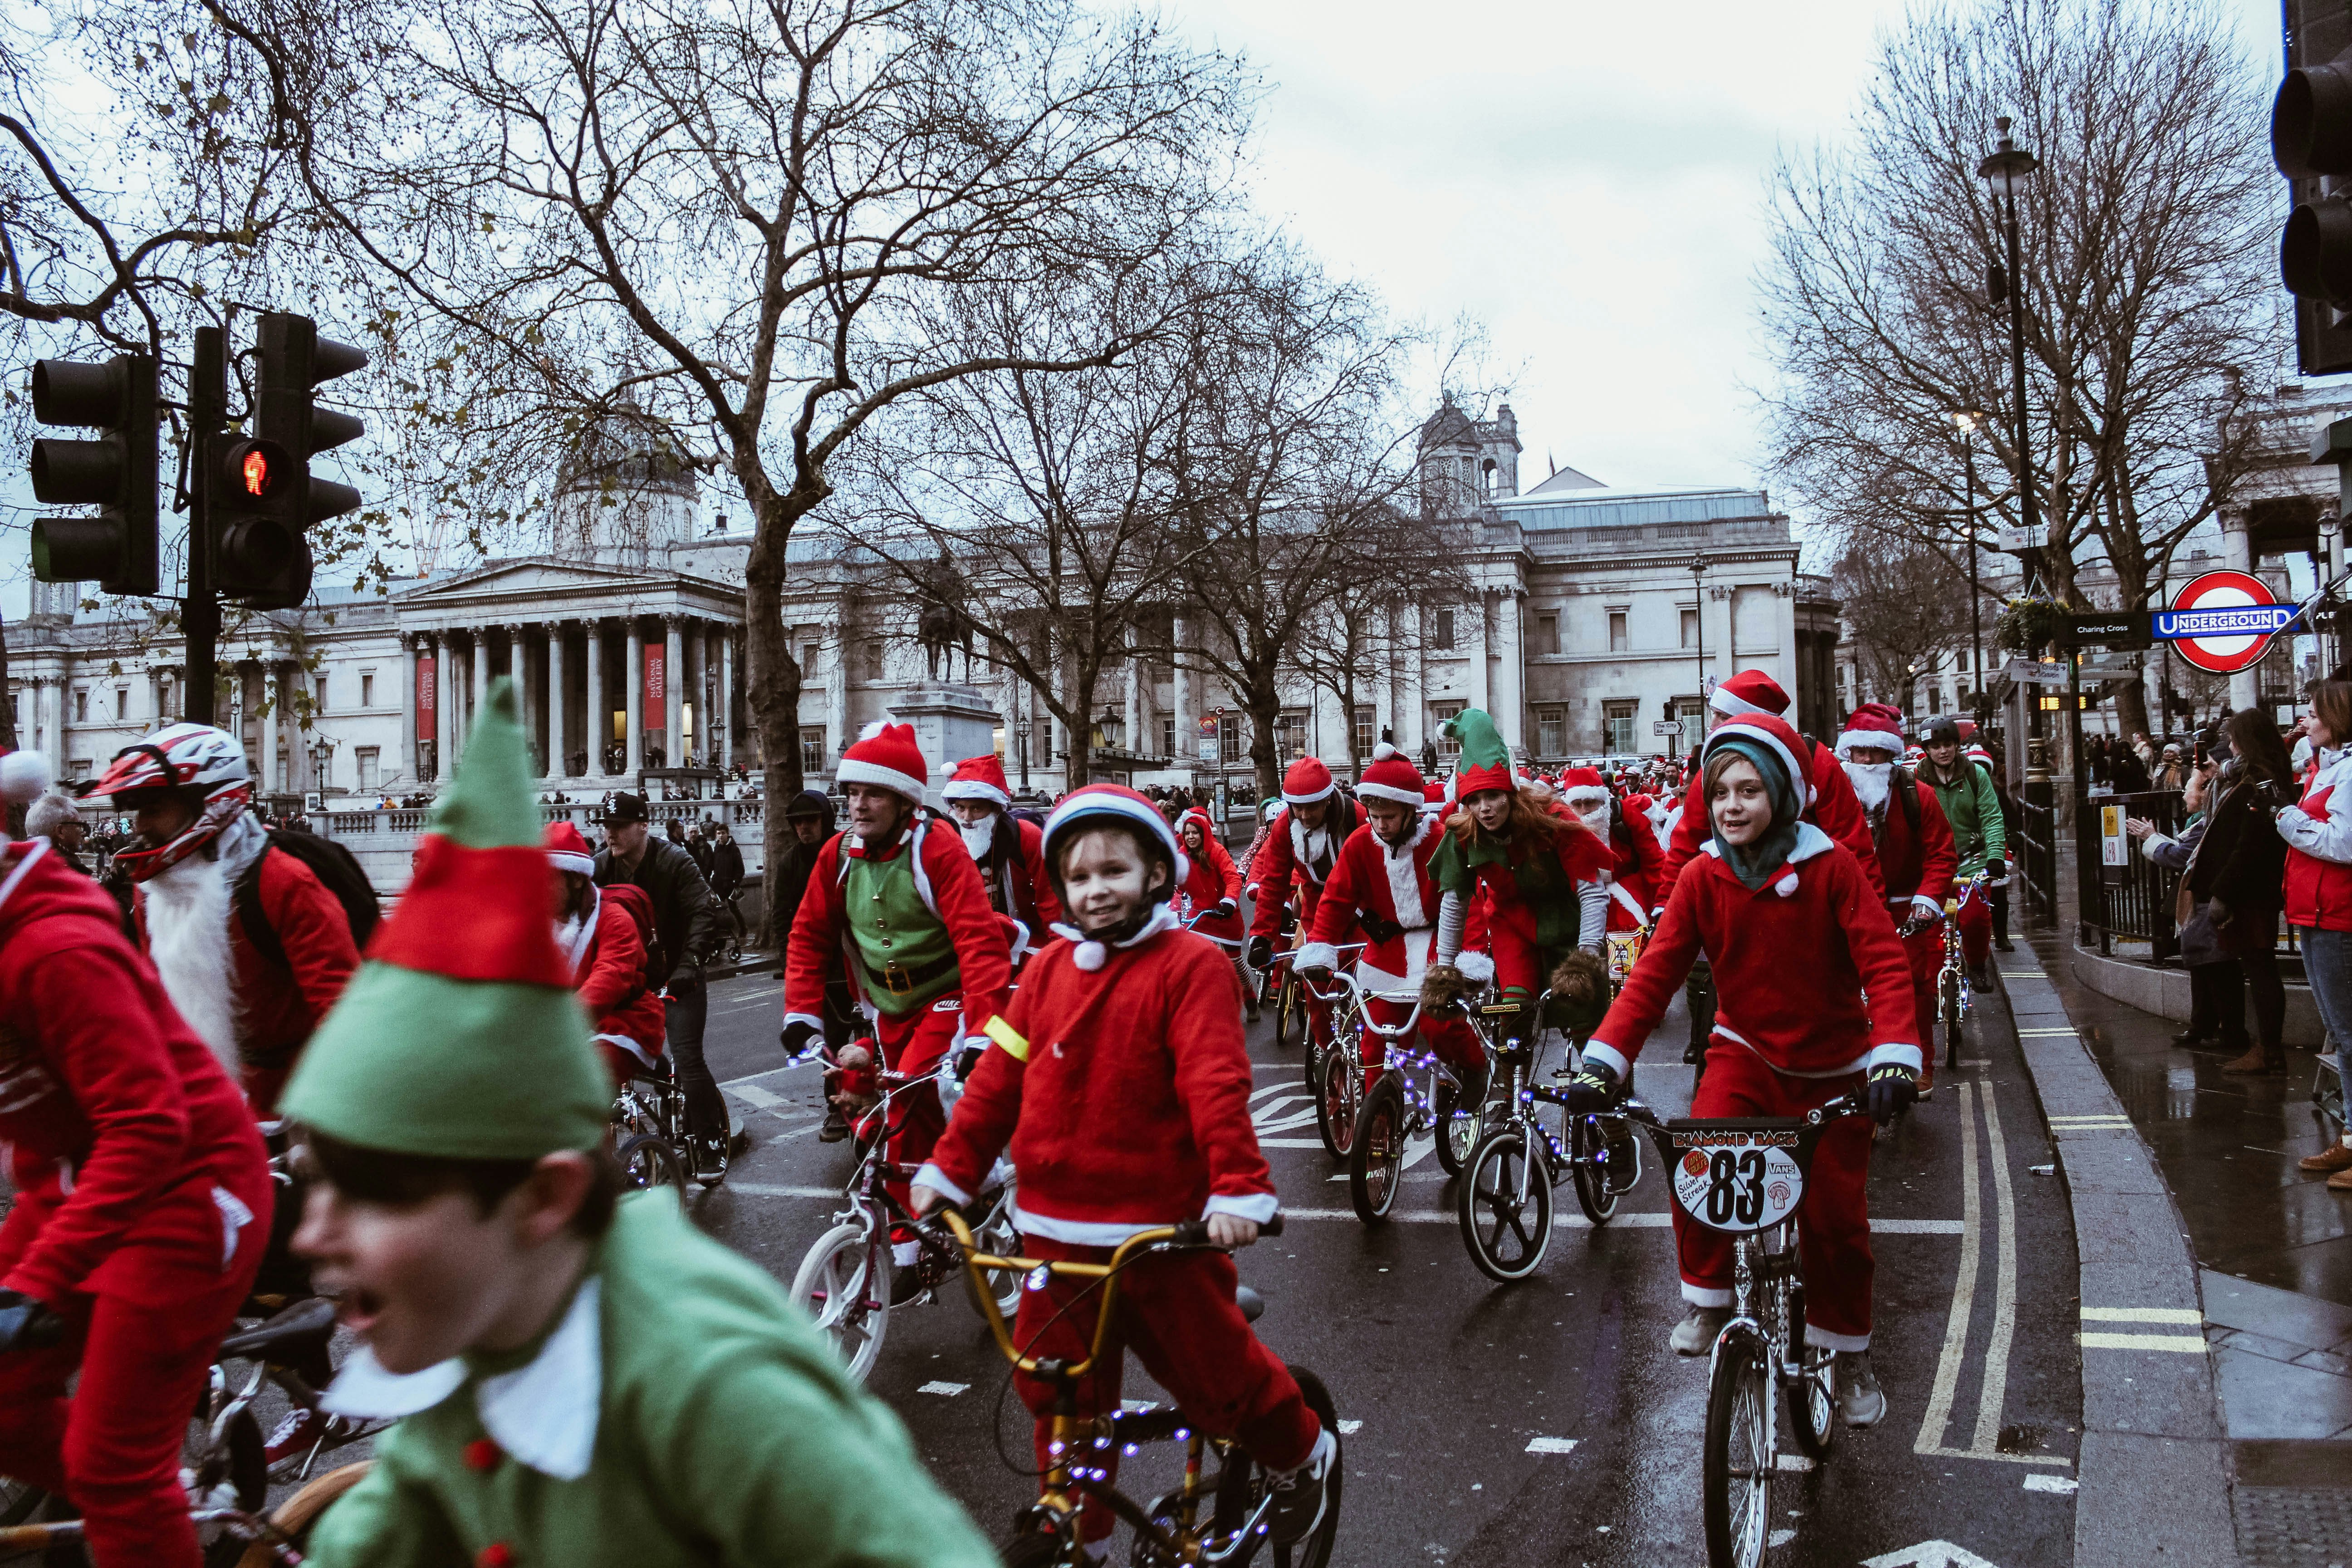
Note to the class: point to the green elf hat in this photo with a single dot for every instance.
(459, 1037)
(1485, 762)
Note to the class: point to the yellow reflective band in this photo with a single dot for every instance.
(1006, 1034)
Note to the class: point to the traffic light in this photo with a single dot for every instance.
(116, 472)
(262, 499)
(2311, 141)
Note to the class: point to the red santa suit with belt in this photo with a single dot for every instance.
(142, 1205)
(1297, 860)
(1119, 1084)
(1637, 857)
(1788, 1036)
(1833, 808)
(1918, 863)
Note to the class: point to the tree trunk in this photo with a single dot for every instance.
(1266, 712)
(773, 690)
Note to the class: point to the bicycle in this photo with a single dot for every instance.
(1953, 993)
(1745, 1176)
(1505, 1208)
(648, 1128)
(1394, 1109)
(845, 1278)
(1170, 1531)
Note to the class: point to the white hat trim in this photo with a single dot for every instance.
(1799, 778)
(1723, 701)
(974, 789)
(1396, 792)
(853, 770)
(1323, 794)
(578, 865)
(1875, 739)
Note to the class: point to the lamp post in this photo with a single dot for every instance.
(2005, 172)
(1698, 621)
(1968, 421)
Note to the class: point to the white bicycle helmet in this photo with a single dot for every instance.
(205, 766)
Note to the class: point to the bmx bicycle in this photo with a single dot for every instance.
(1411, 1093)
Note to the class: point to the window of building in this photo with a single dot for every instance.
(1439, 713)
(82, 706)
(1617, 720)
(367, 688)
(1230, 745)
(808, 657)
(1692, 714)
(365, 759)
(1619, 639)
(812, 757)
(1368, 731)
(165, 697)
(1443, 639)
(121, 703)
(77, 771)
(1290, 734)
(1547, 632)
(1552, 732)
(1690, 628)
(1167, 735)
(874, 660)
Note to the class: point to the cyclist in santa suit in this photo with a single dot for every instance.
(1915, 854)
(1302, 844)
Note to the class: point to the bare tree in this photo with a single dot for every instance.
(2143, 283)
(1390, 557)
(754, 217)
(1900, 607)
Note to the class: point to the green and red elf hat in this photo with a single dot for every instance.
(1485, 762)
(459, 1037)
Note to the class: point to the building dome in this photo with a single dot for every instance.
(624, 494)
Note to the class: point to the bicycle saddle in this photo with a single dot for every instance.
(311, 1319)
(1252, 1304)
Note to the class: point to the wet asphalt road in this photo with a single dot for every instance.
(1451, 1381)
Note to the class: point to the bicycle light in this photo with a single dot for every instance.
(1038, 1277)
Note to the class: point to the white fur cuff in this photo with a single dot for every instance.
(1255, 1207)
(1927, 906)
(1610, 1057)
(1477, 967)
(929, 1176)
(1899, 1056)
(1316, 955)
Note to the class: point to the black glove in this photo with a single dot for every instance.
(1893, 1088)
(1999, 877)
(796, 1037)
(1317, 977)
(1224, 909)
(1260, 951)
(25, 1324)
(1594, 1089)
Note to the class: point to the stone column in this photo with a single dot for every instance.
(674, 689)
(1383, 641)
(1188, 721)
(1412, 707)
(727, 694)
(1471, 635)
(1509, 670)
(526, 694)
(475, 698)
(595, 716)
(2238, 553)
(1132, 704)
(445, 693)
(407, 704)
(836, 694)
(557, 766)
(236, 707)
(635, 680)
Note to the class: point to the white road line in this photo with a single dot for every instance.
(2004, 1299)
(1997, 1457)
(2033, 1033)
(758, 1098)
(1350, 1429)
(2064, 1486)
(1964, 1289)
(1290, 1143)
(1551, 1445)
(2183, 1344)
(755, 1078)
(770, 1190)
(949, 1389)
(2143, 1315)
(1796, 1463)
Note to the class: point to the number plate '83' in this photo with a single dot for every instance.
(1737, 1186)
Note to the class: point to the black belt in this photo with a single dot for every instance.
(900, 981)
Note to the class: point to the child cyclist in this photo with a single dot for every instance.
(581, 1378)
(1119, 1079)
(1213, 891)
(1789, 1036)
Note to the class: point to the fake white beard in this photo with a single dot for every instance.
(979, 835)
(1595, 816)
(1870, 781)
(188, 912)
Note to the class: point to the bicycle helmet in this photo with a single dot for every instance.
(201, 765)
(1097, 805)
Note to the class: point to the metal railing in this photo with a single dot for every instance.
(2133, 901)
(2036, 830)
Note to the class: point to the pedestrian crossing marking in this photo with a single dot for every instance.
(948, 1390)
(1551, 1445)
(1350, 1429)
(758, 1098)
(2030, 1033)
(2143, 1315)
(2184, 1344)
(1797, 1463)
(2064, 1486)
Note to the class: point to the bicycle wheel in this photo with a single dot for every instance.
(1505, 1208)
(1736, 1466)
(647, 1162)
(1289, 1014)
(1376, 1161)
(1339, 1096)
(1314, 1550)
(1457, 1130)
(1954, 1026)
(296, 1517)
(844, 1285)
(1595, 1193)
(1812, 1398)
(1031, 1549)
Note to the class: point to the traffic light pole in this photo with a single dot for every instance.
(200, 617)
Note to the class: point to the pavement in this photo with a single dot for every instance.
(1547, 1422)
(2192, 1213)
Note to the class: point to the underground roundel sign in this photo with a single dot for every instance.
(2223, 621)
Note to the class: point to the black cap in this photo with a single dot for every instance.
(624, 809)
(810, 803)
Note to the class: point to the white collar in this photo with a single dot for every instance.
(574, 936)
(1423, 828)
(544, 1413)
(1810, 841)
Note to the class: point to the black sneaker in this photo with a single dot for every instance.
(710, 1160)
(2001, 945)
(1298, 1495)
(834, 1129)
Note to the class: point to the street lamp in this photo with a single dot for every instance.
(1698, 621)
(1110, 730)
(1968, 420)
(323, 752)
(2005, 173)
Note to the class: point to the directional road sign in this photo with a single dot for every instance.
(2223, 621)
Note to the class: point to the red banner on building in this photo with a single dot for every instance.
(428, 706)
(657, 683)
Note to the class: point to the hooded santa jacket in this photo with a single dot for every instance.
(1834, 809)
(1805, 1019)
(135, 1160)
(820, 948)
(1289, 859)
(1386, 893)
(1915, 864)
(1213, 881)
(608, 969)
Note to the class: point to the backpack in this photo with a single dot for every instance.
(1900, 783)
(640, 907)
(337, 871)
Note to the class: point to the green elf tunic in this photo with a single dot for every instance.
(677, 1413)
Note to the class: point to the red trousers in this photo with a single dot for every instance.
(1925, 952)
(1976, 929)
(1176, 1312)
(114, 1448)
(1451, 1040)
(914, 1043)
(1833, 1218)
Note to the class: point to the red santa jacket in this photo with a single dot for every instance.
(1386, 895)
(135, 1162)
(1123, 1094)
(820, 949)
(608, 975)
(1834, 810)
(1806, 1020)
(1915, 865)
(1213, 881)
(1286, 863)
(1640, 864)
(1023, 889)
(278, 1004)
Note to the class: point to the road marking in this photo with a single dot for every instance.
(758, 1098)
(1292, 1144)
(1964, 1288)
(2004, 1301)
(1929, 1554)
(2034, 1033)
(1780, 1537)
(1551, 1445)
(2064, 1486)
(2143, 1315)
(1350, 1429)
(2086, 1123)
(755, 1078)
(1797, 1463)
(948, 1390)
(2184, 1344)
(769, 1190)
(1997, 1457)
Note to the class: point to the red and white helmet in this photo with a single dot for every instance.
(205, 767)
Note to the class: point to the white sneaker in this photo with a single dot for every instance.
(1298, 1495)
(1695, 1335)
(1859, 1398)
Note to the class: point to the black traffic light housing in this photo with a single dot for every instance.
(117, 472)
(261, 499)
(2311, 141)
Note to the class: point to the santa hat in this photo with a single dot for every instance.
(1485, 762)
(23, 776)
(1391, 776)
(459, 1037)
(978, 778)
(568, 851)
(886, 755)
(1874, 727)
(1771, 732)
(1306, 781)
(1585, 781)
(1749, 691)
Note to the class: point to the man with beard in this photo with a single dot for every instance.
(254, 996)
(1632, 882)
(1915, 854)
(1009, 853)
(1302, 844)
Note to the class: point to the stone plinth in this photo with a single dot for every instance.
(951, 721)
